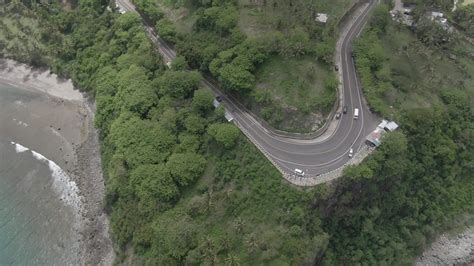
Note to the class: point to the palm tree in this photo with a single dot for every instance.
(239, 225)
(209, 251)
(225, 243)
(252, 243)
(228, 192)
(209, 198)
(232, 260)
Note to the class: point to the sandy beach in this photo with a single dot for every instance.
(60, 127)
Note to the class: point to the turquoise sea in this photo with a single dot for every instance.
(38, 224)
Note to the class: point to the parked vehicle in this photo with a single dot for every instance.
(219, 98)
(299, 172)
(338, 115)
(336, 67)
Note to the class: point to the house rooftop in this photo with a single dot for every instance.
(436, 14)
(322, 17)
(216, 103)
(391, 126)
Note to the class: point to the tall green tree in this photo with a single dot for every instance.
(179, 84)
(226, 134)
(236, 79)
(186, 167)
(153, 182)
(140, 141)
(202, 100)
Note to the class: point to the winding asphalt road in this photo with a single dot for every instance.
(316, 156)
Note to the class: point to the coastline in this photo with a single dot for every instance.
(60, 127)
(450, 249)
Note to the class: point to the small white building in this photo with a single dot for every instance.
(435, 15)
(216, 103)
(383, 124)
(388, 125)
(321, 17)
(391, 126)
(439, 18)
(402, 13)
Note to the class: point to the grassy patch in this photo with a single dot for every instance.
(19, 37)
(181, 16)
(257, 18)
(468, 2)
(431, 72)
(418, 73)
(290, 92)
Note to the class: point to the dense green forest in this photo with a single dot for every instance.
(234, 41)
(185, 187)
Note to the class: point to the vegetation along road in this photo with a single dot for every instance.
(318, 156)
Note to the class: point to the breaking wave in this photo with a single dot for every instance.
(62, 183)
(19, 148)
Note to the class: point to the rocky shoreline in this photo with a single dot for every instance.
(98, 249)
(450, 250)
(61, 127)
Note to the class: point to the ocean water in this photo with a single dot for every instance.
(38, 201)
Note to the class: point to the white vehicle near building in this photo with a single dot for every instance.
(299, 172)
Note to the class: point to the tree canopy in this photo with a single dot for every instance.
(186, 167)
(179, 84)
(226, 134)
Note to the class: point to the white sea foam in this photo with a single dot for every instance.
(62, 183)
(20, 123)
(19, 148)
(56, 132)
(39, 156)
